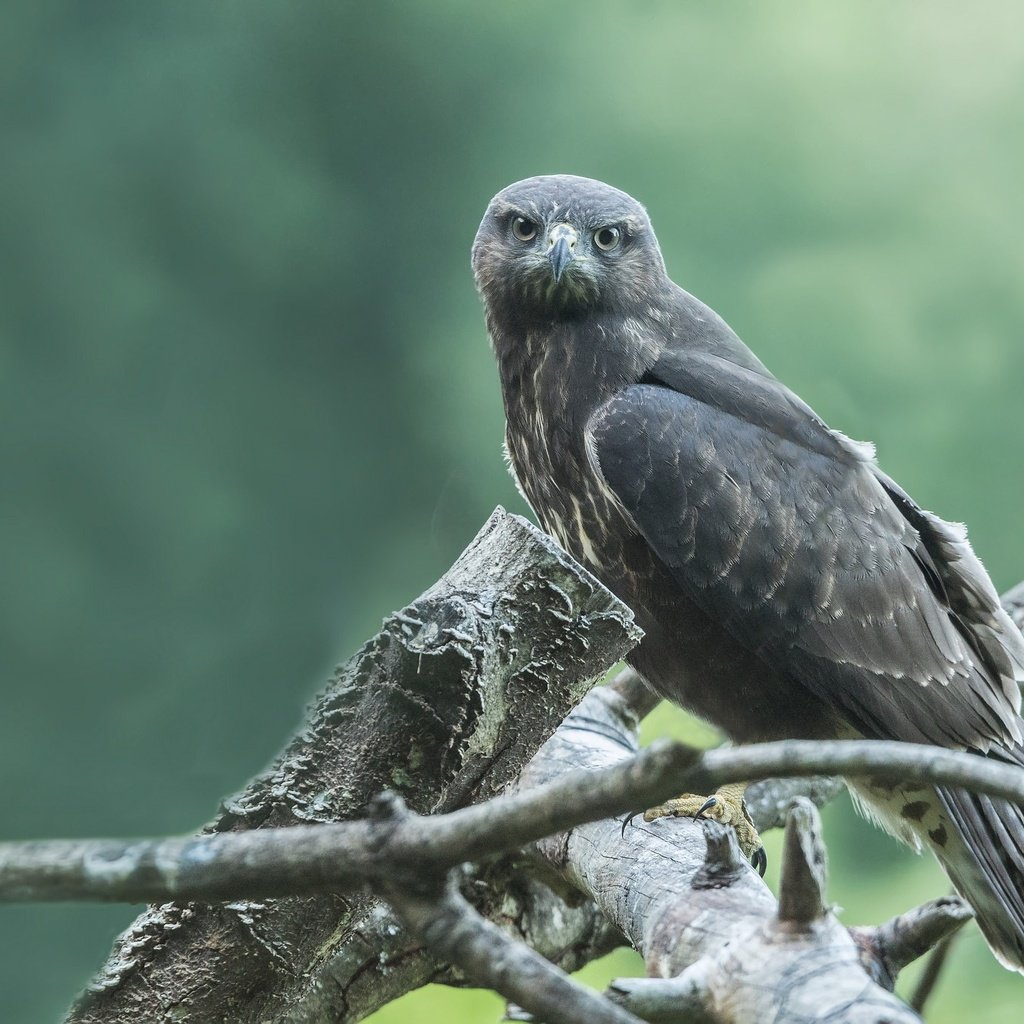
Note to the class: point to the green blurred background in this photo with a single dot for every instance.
(248, 404)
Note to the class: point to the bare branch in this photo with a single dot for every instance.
(768, 802)
(380, 959)
(377, 962)
(881, 759)
(737, 962)
(932, 971)
(908, 936)
(679, 1000)
(326, 858)
(445, 704)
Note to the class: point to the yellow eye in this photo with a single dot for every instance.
(525, 230)
(607, 238)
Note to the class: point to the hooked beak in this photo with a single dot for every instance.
(561, 243)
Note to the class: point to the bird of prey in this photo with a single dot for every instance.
(787, 587)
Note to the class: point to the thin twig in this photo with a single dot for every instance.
(932, 971)
(333, 857)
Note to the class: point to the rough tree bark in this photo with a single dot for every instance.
(443, 706)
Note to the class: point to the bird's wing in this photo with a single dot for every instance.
(788, 535)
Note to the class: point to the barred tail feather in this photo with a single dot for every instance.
(978, 840)
(987, 865)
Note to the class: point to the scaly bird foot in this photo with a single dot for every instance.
(726, 806)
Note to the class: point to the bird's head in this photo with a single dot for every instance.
(560, 246)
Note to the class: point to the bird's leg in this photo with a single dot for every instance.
(725, 805)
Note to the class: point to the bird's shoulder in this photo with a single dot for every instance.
(703, 358)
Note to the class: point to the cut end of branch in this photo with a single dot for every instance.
(635, 693)
(909, 936)
(679, 1000)
(723, 861)
(804, 879)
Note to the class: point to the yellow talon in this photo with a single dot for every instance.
(726, 806)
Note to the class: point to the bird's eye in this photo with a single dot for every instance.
(525, 230)
(607, 238)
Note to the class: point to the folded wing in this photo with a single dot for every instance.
(789, 536)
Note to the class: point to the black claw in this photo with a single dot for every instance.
(627, 821)
(760, 861)
(706, 806)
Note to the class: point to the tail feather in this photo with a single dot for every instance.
(987, 864)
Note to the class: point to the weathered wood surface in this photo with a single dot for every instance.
(443, 706)
(717, 944)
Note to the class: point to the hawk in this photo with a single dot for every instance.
(787, 587)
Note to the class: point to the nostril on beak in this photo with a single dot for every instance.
(562, 232)
(561, 243)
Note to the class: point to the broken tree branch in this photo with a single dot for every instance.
(904, 938)
(391, 846)
(444, 706)
(378, 961)
(804, 877)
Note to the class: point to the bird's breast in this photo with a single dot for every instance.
(552, 383)
(557, 476)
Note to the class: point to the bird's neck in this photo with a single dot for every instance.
(562, 370)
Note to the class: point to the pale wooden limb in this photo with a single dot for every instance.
(717, 945)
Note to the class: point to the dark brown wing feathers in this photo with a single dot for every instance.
(812, 557)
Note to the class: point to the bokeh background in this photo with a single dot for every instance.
(247, 401)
